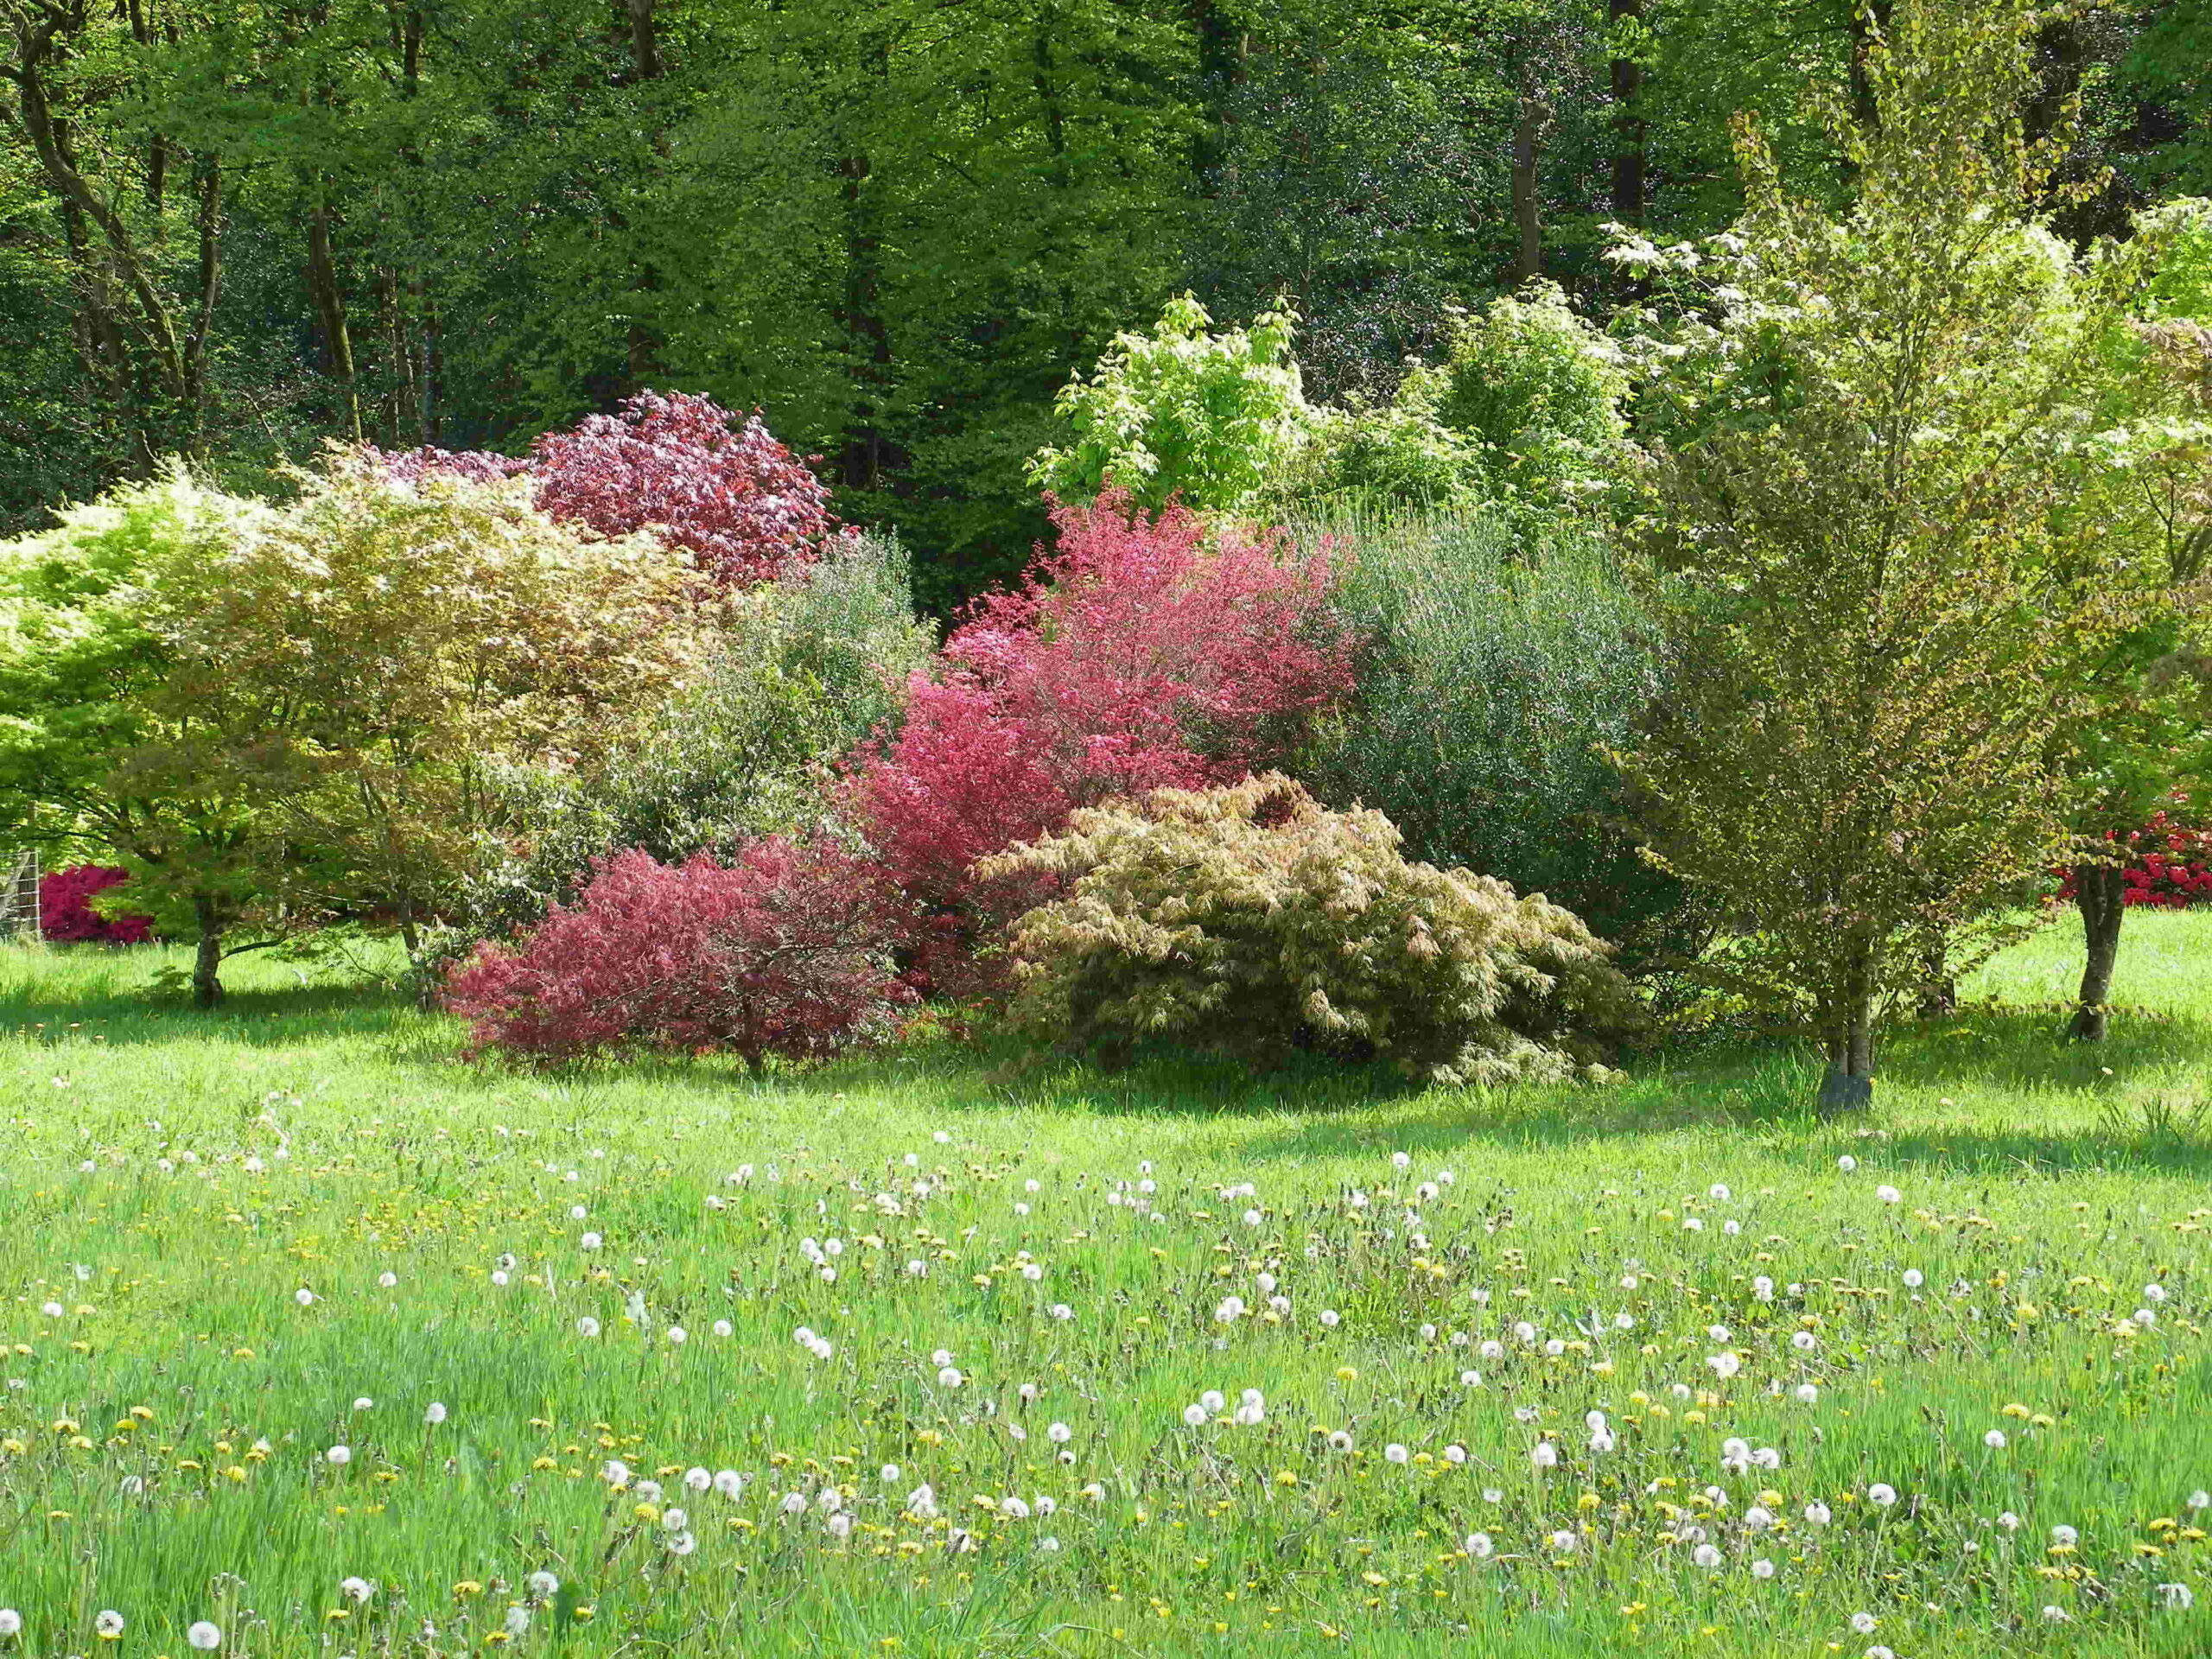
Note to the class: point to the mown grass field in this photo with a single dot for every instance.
(301, 1225)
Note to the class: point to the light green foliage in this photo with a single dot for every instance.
(1521, 415)
(1879, 599)
(1379, 459)
(268, 715)
(1492, 681)
(1249, 921)
(2018, 1157)
(379, 647)
(99, 752)
(1536, 392)
(801, 672)
(1209, 418)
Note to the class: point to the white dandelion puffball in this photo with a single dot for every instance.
(949, 1378)
(729, 1482)
(1817, 1514)
(1479, 1546)
(589, 1242)
(363, 1403)
(1863, 1622)
(304, 1296)
(356, 1590)
(587, 1326)
(204, 1636)
(434, 1413)
(1846, 1163)
(386, 1280)
(1889, 1195)
(11, 1621)
(338, 1455)
(1881, 1493)
(1195, 1415)
(1706, 1555)
(543, 1584)
(108, 1623)
(1394, 1452)
(1564, 1541)
(1994, 1439)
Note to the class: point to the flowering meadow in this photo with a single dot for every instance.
(319, 1340)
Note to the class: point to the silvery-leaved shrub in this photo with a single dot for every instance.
(1250, 921)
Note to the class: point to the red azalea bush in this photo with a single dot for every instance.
(2168, 866)
(1142, 653)
(744, 505)
(785, 951)
(66, 915)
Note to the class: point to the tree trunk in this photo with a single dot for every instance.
(1939, 991)
(1222, 48)
(207, 963)
(330, 311)
(1866, 20)
(1629, 126)
(2101, 891)
(1848, 1083)
(1527, 202)
(642, 340)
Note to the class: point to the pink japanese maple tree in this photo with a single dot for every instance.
(1140, 653)
(739, 502)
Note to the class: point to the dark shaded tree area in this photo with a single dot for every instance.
(231, 228)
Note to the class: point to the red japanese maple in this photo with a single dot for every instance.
(785, 951)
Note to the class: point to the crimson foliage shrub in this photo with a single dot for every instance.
(745, 507)
(1141, 653)
(66, 915)
(785, 951)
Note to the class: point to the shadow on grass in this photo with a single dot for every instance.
(1313, 1107)
(2024, 1049)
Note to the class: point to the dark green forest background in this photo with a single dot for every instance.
(230, 229)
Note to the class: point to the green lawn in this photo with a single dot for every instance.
(213, 1204)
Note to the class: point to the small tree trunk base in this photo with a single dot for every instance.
(207, 960)
(2100, 890)
(1843, 1091)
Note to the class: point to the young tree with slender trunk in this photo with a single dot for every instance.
(1871, 445)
